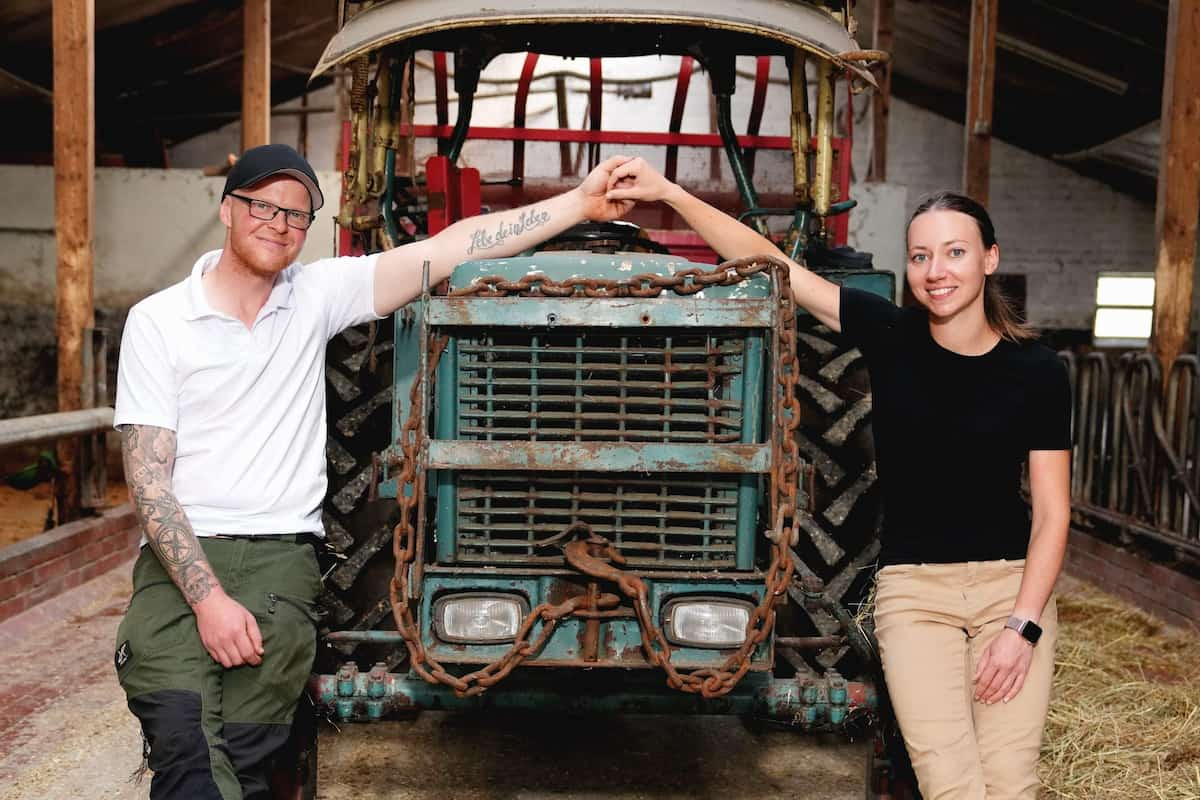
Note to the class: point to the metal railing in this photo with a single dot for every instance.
(1135, 466)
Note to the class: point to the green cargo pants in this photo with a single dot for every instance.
(212, 732)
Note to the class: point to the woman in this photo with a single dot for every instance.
(962, 397)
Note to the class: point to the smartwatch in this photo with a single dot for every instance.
(1029, 629)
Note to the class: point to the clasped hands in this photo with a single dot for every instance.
(610, 190)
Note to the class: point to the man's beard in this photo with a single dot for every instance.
(254, 260)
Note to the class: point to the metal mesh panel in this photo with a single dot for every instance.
(600, 386)
(670, 521)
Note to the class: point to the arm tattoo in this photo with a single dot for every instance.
(530, 218)
(149, 454)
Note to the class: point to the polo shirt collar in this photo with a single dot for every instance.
(197, 305)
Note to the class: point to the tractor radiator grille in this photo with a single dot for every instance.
(581, 386)
(684, 521)
(662, 386)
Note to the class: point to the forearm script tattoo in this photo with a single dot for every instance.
(149, 454)
(483, 239)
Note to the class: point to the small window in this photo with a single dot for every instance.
(1124, 309)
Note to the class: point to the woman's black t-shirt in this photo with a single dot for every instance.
(952, 432)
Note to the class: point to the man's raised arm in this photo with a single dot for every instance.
(229, 632)
(504, 233)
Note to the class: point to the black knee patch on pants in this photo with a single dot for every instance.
(252, 748)
(179, 753)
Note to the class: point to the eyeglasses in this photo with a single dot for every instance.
(261, 209)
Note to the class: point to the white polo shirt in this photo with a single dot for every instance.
(247, 404)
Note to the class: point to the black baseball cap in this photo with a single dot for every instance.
(260, 163)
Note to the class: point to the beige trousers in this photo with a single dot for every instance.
(933, 622)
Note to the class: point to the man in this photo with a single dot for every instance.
(221, 406)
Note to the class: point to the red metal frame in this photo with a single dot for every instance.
(761, 76)
(681, 89)
(469, 201)
(838, 226)
(598, 136)
(453, 192)
(456, 193)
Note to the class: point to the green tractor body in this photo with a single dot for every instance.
(598, 476)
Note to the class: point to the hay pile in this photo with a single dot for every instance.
(1125, 718)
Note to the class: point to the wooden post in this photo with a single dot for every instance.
(885, 14)
(73, 25)
(981, 78)
(256, 74)
(1178, 204)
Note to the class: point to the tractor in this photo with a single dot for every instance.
(610, 474)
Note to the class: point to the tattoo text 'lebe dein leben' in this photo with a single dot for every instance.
(529, 219)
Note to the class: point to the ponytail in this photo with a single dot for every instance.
(1002, 316)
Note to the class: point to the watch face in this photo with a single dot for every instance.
(1031, 631)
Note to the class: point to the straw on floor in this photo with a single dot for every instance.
(1125, 718)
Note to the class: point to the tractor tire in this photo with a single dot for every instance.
(840, 503)
(358, 564)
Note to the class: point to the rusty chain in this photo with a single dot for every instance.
(684, 282)
(595, 556)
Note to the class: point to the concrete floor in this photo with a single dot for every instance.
(65, 733)
(513, 757)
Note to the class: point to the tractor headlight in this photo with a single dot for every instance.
(715, 622)
(479, 618)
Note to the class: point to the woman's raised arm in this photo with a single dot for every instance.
(637, 180)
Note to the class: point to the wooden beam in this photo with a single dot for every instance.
(885, 15)
(1178, 205)
(73, 26)
(981, 79)
(256, 74)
